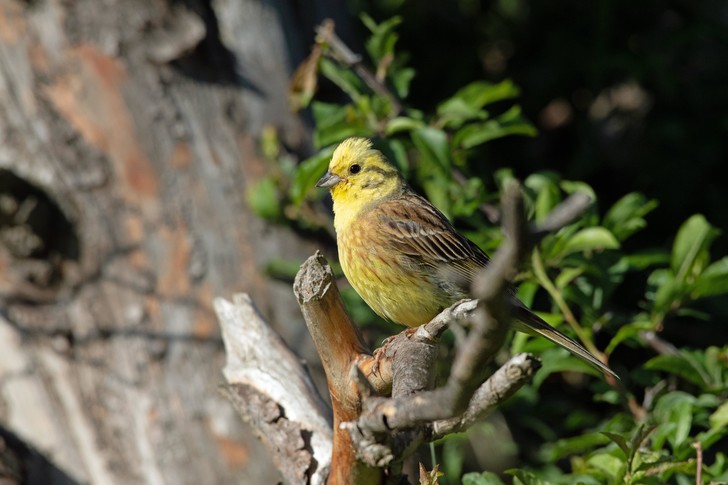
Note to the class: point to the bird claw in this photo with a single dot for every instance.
(379, 352)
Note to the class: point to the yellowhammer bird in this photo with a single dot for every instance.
(400, 253)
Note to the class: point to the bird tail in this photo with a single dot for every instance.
(530, 323)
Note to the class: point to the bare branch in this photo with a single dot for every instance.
(270, 388)
(326, 35)
(492, 393)
(564, 214)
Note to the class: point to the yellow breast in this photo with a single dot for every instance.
(395, 288)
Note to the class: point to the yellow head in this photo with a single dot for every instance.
(359, 176)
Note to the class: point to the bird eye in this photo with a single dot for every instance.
(355, 169)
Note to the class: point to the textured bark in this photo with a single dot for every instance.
(127, 143)
(271, 389)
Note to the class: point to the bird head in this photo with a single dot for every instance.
(358, 177)
(358, 171)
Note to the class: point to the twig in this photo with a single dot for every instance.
(492, 393)
(698, 463)
(325, 34)
(659, 345)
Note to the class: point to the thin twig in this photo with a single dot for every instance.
(325, 34)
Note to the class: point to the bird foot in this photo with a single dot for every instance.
(379, 352)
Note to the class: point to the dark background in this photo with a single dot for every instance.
(627, 96)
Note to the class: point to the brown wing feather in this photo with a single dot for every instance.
(418, 230)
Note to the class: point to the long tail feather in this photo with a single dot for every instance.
(530, 323)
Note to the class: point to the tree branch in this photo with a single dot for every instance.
(372, 431)
(270, 388)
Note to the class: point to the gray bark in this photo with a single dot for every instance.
(128, 135)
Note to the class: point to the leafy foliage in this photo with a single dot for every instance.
(669, 415)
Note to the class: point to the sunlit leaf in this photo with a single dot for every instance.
(481, 93)
(611, 465)
(383, 38)
(626, 216)
(713, 280)
(308, 173)
(644, 259)
(719, 419)
(510, 123)
(433, 147)
(675, 408)
(693, 239)
(591, 239)
(484, 478)
(402, 123)
(334, 123)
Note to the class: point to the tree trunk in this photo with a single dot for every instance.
(128, 135)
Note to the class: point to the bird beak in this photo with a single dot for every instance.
(328, 180)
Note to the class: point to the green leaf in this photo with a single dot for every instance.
(669, 293)
(567, 275)
(482, 93)
(454, 112)
(570, 446)
(591, 239)
(437, 193)
(691, 243)
(383, 38)
(676, 409)
(644, 259)
(433, 147)
(678, 365)
(344, 78)
(466, 198)
(626, 216)
(402, 123)
(401, 79)
(509, 123)
(264, 199)
(719, 419)
(611, 465)
(545, 187)
(308, 173)
(398, 154)
(334, 123)
(713, 280)
(668, 466)
(628, 331)
(522, 477)
(484, 478)
(620, 441)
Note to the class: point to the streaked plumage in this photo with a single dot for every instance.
(400, 253)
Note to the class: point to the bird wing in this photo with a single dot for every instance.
(418, 230)
(415, 228)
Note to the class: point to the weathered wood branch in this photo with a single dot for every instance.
(271, 389)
